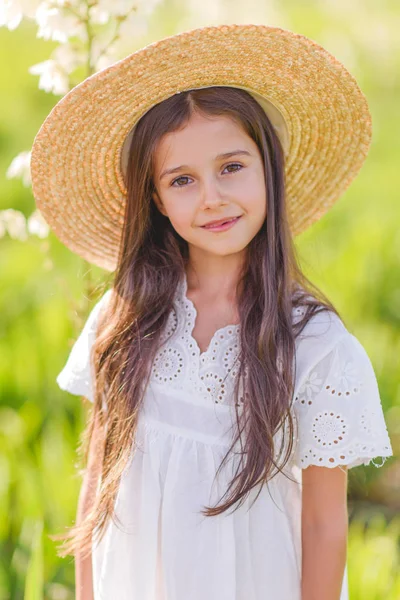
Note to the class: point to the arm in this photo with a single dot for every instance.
(83, 566)
(324, 532)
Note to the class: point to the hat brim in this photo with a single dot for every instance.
(77, 178)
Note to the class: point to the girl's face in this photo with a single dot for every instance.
(208, 170)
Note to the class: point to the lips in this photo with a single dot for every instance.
(219, 222)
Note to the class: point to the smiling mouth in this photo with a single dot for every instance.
(220, 224)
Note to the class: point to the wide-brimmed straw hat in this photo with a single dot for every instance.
(315, 105)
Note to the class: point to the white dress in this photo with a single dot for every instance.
(167, 550)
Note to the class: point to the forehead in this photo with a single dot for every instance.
(202, 136)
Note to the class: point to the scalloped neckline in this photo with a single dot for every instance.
(192, 309)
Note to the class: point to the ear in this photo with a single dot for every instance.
(159, 204)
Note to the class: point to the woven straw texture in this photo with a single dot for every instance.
(77, 180)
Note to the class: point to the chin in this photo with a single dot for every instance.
(226, 251)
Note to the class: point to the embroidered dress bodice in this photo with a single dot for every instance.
(211, 374)
(168, 550)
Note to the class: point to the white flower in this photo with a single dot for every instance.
(10, 15)
(58, 25)
(12, 11)
(103, 53)
(20, 167)
(52, 77)
(15, 223)
(69, 58)
(116, 8)
(99, 16)
(37, 225)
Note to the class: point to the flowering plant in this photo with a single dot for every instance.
(91, 35)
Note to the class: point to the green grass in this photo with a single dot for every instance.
(374, 559)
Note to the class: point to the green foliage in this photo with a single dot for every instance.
(34, 574)
(374, 559)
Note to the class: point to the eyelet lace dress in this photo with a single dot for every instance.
(167, 550)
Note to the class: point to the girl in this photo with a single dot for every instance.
(229, 398)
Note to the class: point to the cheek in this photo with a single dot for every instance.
(253, 193)
(180, 214)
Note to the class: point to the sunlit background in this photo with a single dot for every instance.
(353, 254)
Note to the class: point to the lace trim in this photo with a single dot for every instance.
(358, 453)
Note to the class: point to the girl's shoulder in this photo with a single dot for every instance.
(323, 326)
(326, 346)
(102, 302)
(323, 332)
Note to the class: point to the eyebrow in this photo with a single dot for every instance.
(218, 157)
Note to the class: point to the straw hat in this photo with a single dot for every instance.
(319, 112)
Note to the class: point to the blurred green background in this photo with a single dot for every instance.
(353, 254)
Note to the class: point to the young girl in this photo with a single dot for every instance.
(229, 398)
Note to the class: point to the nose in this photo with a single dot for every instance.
(211, 193)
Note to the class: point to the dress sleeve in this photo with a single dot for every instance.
(77, 375)
(338, 410)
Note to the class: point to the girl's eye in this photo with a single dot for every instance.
(234, 165)
(178, 179)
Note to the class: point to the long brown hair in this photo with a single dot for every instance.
(151, 262)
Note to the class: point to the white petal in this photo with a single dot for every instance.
(99, 16)
(68, 58)
(20, 167)
(29, 7)
(58, 25)
(37, 225)
(52, 77)
(10, 14)
(15, 222)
